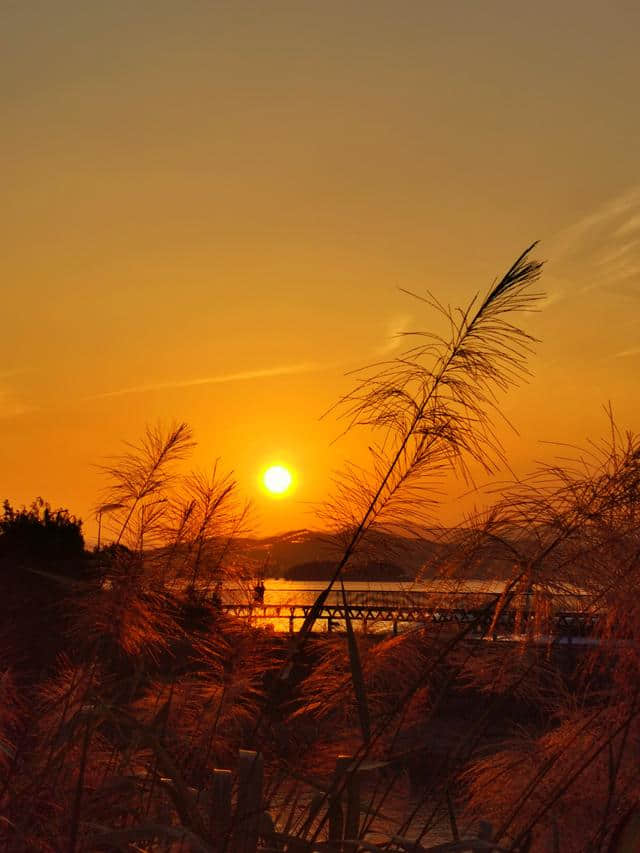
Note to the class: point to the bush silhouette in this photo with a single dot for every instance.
(41, 552)
(40, 536)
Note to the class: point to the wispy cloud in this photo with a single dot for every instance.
(602, 249)
(626, 353)
(11, 406)
(12, 402)
(628, 227)
(398, 324)
(18, 371)
(219, 379)
(551, 298)
(622, 210)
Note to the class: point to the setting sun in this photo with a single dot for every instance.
(277, 480)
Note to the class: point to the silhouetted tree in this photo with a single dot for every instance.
(40, 536)
(42, 561)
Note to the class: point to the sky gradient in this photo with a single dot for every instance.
(209, 209)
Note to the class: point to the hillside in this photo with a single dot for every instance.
(311, 555)
(306, 555)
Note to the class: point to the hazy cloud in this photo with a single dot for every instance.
(629, 226)
(551, 298)
(18, 371)
(12, 403)
(602, 250)
(393, 338)
(259, 373)
(623, 211)
(628, 352)
(11, 406)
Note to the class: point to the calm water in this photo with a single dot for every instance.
(360, 592)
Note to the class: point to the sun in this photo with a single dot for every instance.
(277, 480)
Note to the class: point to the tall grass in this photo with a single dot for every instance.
(123, 742)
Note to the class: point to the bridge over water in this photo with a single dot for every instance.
(385, 612)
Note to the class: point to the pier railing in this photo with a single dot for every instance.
(511, 621)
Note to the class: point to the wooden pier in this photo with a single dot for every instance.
(511, 621)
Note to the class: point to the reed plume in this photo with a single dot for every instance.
(433, 408)
(145, 471)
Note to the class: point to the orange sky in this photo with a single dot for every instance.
(208, 209)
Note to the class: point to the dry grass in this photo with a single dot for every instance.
(114, 746)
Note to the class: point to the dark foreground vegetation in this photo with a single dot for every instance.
(127, 692)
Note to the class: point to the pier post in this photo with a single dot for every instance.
(344, 823)
(220, 807)
(249, 806)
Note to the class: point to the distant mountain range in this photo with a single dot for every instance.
(311, 555)
(308, 555)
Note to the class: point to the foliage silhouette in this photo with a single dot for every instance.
(41, 555)
(40, 536)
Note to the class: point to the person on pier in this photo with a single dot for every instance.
(258, 592)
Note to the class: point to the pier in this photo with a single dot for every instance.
(511, 622)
